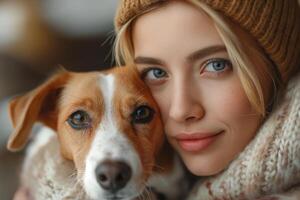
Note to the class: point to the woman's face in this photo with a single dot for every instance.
(207, 116)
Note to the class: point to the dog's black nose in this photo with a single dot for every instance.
(113, 175)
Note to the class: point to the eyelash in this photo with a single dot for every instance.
(226, 62)
(145, 71)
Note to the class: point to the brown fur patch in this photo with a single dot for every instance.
(55, 101)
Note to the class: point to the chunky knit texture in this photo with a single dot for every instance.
(271, 162)
(275, 24)
(269, 165)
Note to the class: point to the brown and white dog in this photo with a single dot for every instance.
(109, 126)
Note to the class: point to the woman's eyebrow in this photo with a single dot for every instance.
(148, 60)
(201, 53)
(191, 58)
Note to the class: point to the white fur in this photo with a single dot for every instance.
(42, 138)
(46, 174)
(110, 143)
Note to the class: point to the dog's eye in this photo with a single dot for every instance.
(79, 120)
(142, 115)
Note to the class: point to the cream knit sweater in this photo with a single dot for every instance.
(270, 165)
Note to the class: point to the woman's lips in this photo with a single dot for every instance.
(196, 142)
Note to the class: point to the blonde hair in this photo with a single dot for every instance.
(249, 74)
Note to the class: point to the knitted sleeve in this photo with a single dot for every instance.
(270, 164)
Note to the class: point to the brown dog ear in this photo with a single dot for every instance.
(37, 105)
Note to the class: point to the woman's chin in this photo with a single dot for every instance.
(204, 172)
(204, 168)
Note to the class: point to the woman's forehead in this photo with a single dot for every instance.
(177, 27)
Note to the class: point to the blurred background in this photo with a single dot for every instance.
(36, 36)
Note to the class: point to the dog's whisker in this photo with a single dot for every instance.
(157, 167)
(146, 194)
(149, 193)
(72, 175)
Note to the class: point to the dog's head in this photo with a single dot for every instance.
(106, 122)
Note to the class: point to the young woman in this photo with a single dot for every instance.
(226, 77)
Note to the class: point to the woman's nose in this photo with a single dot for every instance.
(185, 106)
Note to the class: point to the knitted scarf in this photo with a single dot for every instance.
(269, 167)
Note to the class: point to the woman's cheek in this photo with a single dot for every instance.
(232, 107)
(228, 100)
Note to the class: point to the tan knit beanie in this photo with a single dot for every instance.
(274, 23)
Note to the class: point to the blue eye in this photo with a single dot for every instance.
(158, 73)
(217, 65)
(153, 74)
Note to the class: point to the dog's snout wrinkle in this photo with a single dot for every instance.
(113, 175)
